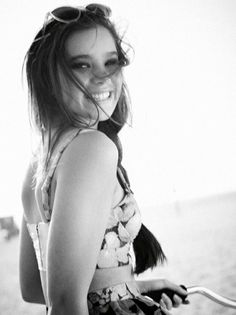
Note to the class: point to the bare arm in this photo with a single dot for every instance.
(83, 198)
(30, 283)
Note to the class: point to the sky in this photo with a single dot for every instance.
(182, 79)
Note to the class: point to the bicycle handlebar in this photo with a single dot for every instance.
(156, 295)
(212, 295)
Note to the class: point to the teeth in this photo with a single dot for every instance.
(101, 96)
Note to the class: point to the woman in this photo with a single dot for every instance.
(79, 210)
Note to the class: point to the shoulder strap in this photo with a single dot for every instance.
(124, 183)
(46, 186)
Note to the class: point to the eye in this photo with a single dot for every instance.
(112, 62)
(81, 66)
(112, 65)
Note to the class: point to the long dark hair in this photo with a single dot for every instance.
(148, 251)
(49, 111)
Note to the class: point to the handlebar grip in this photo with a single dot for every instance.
(156, 294)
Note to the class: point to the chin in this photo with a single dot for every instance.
(106, 110)
(108, 113)
(104, 117)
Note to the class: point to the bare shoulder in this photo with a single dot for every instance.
(89, 149)
(96, 139)
(92, 145)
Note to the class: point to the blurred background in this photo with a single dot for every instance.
(179, 153)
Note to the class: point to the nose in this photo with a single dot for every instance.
(99, 75)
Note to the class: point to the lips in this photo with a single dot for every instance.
(103, 96)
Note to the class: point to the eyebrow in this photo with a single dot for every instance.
(86, 56)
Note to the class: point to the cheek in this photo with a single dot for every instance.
(118, 83)
(71, 96)
(74, 100)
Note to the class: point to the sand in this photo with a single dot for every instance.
(199, 239)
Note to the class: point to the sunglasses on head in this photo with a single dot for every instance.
(72, 14)
(68, 15)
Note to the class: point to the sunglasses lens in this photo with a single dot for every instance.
(72, 14)
(99, 9)
(66, 14)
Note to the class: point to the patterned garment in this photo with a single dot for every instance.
(123, 226)
(122, 299)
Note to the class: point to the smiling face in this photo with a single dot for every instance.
(93, 58)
